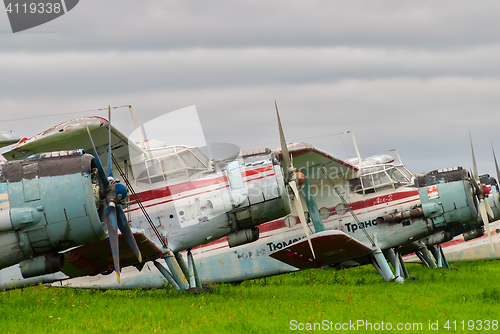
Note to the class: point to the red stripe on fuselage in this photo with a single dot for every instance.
(280, 223)
(168, 191)
(153, 194)
(359, 205)
(179, 198)
(256, 171)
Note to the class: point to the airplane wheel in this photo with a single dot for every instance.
(196, 291)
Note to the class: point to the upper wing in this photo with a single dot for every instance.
(73, 135)
(96, 258)
(309, 159)
(7, 138)
(330, 247)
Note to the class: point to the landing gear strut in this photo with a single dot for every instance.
(437, 260)
(182, 276)
(379, 261)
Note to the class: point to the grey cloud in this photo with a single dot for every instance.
(128, 25)
(91, 72)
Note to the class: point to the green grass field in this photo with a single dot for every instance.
(466, 298)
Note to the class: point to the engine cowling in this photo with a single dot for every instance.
(48, 203)
(447, 197)
(266, 198)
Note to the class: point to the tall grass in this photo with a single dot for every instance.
(274, 304)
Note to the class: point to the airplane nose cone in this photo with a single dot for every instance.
(300, 178)
(121, 191)
(487, 190)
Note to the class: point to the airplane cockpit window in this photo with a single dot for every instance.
(406, 173)
(367, 182)
(191, 159)
(397, 175)
(381, 177)
(170, 163)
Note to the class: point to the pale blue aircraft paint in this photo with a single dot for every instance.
(3, 193)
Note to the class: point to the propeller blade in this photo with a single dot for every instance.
(496, 164)
(312, 207)
(284, 149)
(100, 170)
(479, 189)
(109, 172)
(484, 216)
(474, 165)
(488, 209)
(127, 233)
(475, 185)
(300, 212)
(113, 236)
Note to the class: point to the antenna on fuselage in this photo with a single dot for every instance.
(141, 140)
(397, 153)
(356, 148)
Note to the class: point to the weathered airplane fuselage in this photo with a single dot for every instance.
(47, 204)
(192, 207)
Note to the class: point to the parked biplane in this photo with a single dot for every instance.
(359, 209)
(366, 216)
(174, 198)
(466, 244)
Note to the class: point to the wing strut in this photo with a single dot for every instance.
(348, 207)
(139, 203)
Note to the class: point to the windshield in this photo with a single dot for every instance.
(169, 163)
(380, 177)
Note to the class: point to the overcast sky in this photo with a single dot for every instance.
(416, 76)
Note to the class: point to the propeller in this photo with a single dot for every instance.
(496, 164)
(484, 207)
(293, 178)
(115, 195)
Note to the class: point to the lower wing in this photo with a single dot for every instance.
(330, 247)
(96, 258)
